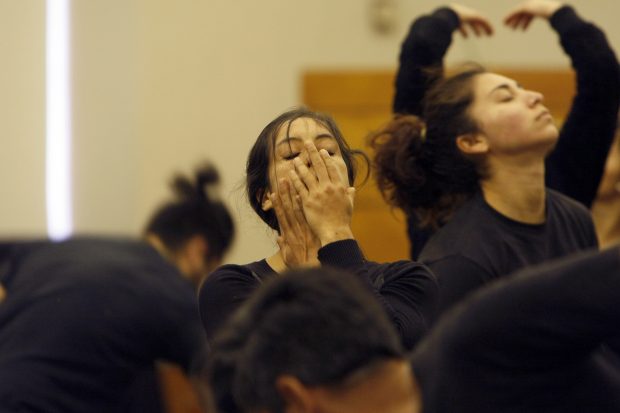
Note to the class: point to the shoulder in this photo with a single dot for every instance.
(470, 229)
(229, 282)
(399, 271)
(230, 271)
(570, 218)
(562, 206)
(230, 274)
(461, 266)
(223, 292)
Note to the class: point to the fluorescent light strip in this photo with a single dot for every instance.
(58, 127)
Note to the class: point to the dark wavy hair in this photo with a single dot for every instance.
(262, 154)
(417, 164)
(195, 210)
(319, 325)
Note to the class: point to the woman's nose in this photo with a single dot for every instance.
(305, 158)
(534, 97)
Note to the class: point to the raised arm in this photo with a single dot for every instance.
(576, 165)
(425, 47)
(420, 64)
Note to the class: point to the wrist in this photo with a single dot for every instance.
(334, 235)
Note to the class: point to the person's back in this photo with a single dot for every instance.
(83, 318)
(82, 322)
(540, 341)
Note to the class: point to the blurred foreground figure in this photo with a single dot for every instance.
(83, 321)
(545, 340)
(315, 340)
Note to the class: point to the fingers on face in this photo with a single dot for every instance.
(303, 174)
(330, 166)
(300, 187)
(288, 208)
(318, 164)
(283, 222)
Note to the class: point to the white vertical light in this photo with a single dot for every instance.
(58, 121)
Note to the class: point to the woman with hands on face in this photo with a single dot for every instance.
(299, 180)
(575, 166)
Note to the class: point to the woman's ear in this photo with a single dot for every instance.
(265, 202)
(472, 144)
(296, 396)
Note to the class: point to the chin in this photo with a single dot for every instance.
(550, 143)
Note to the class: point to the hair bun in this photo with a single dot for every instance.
(204, 186)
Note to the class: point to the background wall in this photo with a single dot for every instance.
(22, 114)
(159, 85)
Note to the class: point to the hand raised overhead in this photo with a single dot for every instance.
(472, 20)
(524, 13)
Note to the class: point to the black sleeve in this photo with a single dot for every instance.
(457, 277)
(576, 165)
(407, 290)
(222, 293)
(424, 47)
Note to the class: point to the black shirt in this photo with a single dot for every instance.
(407, 290)
(479, 245)
(535, 342)
(83, 320)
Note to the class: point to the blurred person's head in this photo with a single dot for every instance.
(314, 340)
(195, 229)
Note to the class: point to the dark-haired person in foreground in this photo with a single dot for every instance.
(83, 321)
(315, 340)
(536, 342)
(539, 342)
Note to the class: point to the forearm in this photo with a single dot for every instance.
(406, 290)
(576, 165)
(424, 47)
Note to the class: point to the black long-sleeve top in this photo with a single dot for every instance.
(541, 341)
(576, 165)
(407, 290)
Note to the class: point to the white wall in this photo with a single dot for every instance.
(158, 85)
(22, 110)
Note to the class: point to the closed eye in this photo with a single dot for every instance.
(291, 156)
